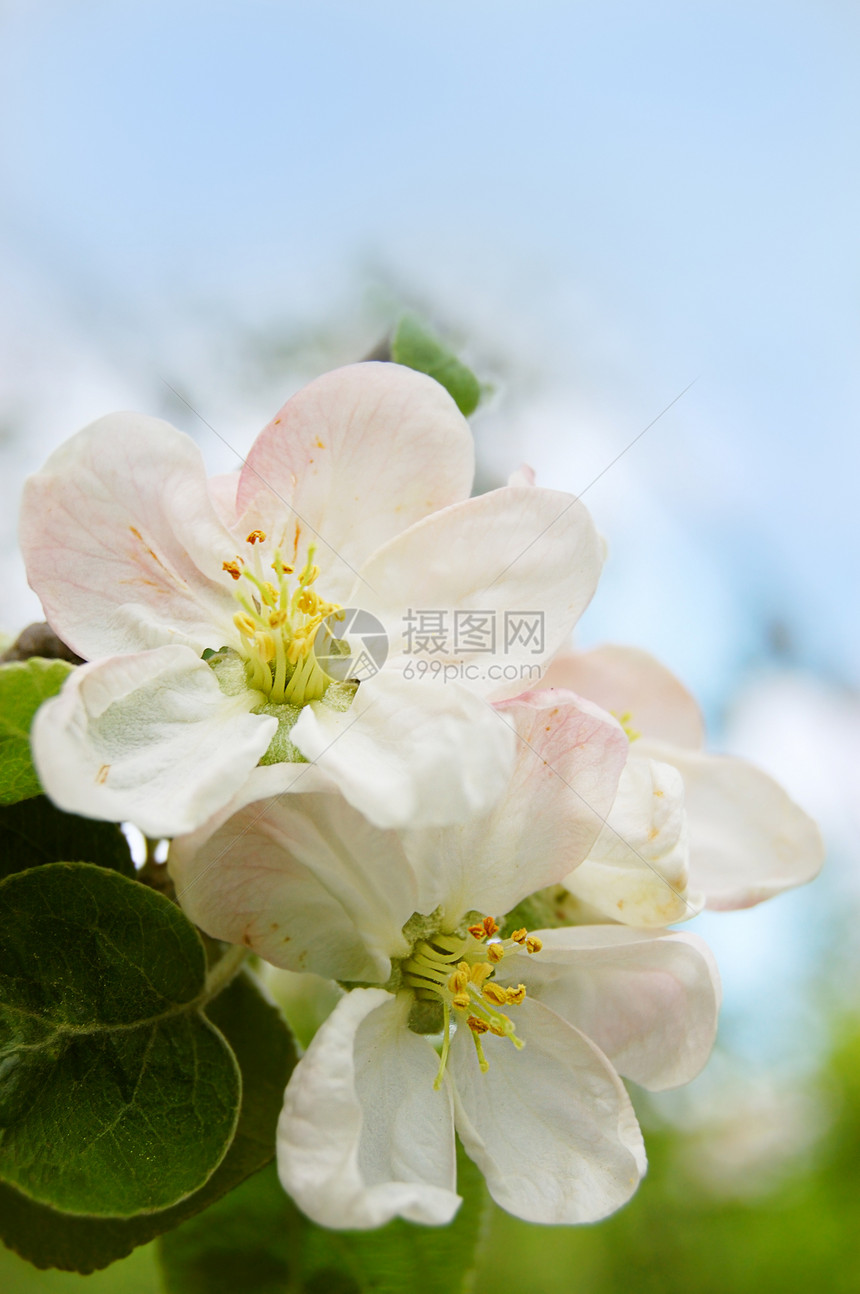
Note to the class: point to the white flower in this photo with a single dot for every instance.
(688, 828)
(355, 495)
(531, 1031)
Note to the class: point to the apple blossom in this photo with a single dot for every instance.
(198, 607)
(515, 1041)
(688, 828)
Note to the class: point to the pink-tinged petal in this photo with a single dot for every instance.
(222, 491)
(569, 755)
(649, 1001)
(150, 739)
(305, 882)
(551, 1126)
(638, 869)
(123, 544)
(524, 475)
(351, 460)
(625, 680)
(748, 838)
(410, 753)
(525, 561)
(363, 1137)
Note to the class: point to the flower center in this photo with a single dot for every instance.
(278, 623)
(459, 973)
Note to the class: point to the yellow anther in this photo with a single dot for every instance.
(490, 926)
(533, 944)
(477, 932)
(495, 952)
(519, 936)
(497, 1030)
(269, 594)
(244, 624)
(281, 568)
(462, 1001)
(458, 982)
(278, 618)
(494, 993)
(478, 1026)
(255, 537)
(308, 602)
(516, 995)
(233, 568)
(310, 573)
(266, 646)
(479, 972)
(296, 649)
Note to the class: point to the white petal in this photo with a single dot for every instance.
(748, 839)
(551, 1127)
(649, 1001)
(637, 871)
(626, 680)
(409, 752)
(353, 459)
(363, 1137)
(122, 541)
(150, 739)
(304, 881)
(526, 560)
(569, 755)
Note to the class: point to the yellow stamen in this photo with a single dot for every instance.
(519, 936)
(533, 944)
(494, 993)
(514, 996)
(495, 952)
(244, 624)
(233, 568)
(255, 537)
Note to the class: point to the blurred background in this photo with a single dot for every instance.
(639, 225)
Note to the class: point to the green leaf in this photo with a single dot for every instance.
(117, 1095)
(256, 1242)
(24, 685)
(416, 346)
(266, 1056)
(34, 832)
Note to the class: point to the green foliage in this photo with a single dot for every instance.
(24, 685)
(257, 1242)
(117, 1095)
(34, 832)
(416, 346)
(264, 1050)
